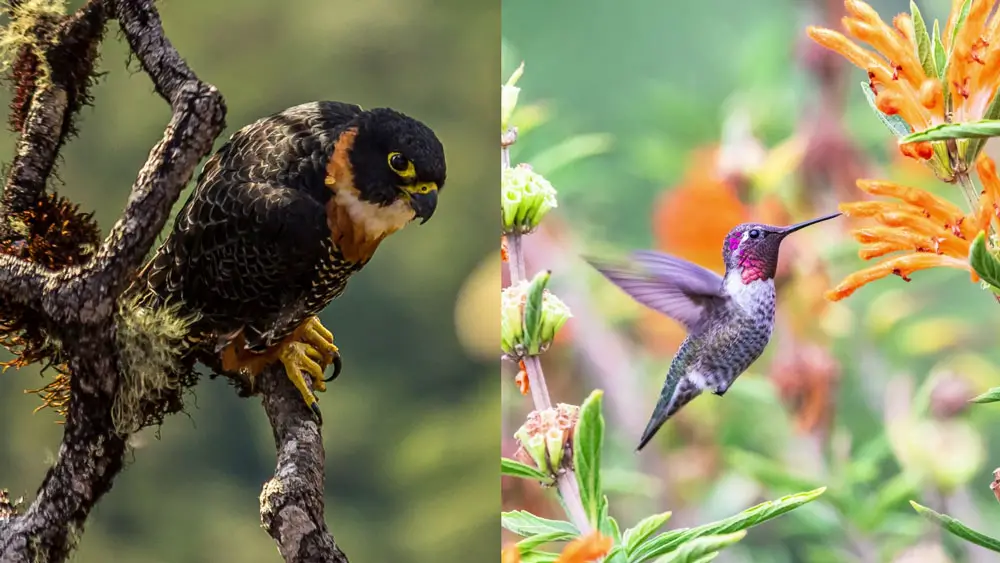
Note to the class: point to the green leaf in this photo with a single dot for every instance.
(616, 555)
(668, 541)
(894, 123)
(533, 310)
(983, 261)
(991, 396)
(865, 463)
(963, 14)
(696, 549)
(533, 556)
(636, 535)
(940, 56)
(570, 151)
(889, 497)
(536, 540)
(587, 442)
(957, 528)
(981, 129)
(924, 49)
(707, 558)
(774, 475)
(610, 527)
(517, 469)
(526, 524)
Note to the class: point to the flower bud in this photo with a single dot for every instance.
(508, 97)
(525, 198)
(545, 434)
(512, 300)
(555, 313)
(522, 334)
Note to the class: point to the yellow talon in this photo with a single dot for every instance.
(295, 358)
(309, 354)
(321, 340)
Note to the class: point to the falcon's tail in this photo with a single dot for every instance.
(678, 390)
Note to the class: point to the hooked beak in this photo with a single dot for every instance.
(784, 231)
(423, 199)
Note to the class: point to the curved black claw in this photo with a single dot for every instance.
(337, 366)
(319, 415)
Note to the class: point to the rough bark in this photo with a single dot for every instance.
(76, 304)
(291, 503)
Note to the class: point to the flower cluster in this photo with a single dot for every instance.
(931, 231)
(926, 80)
(545, 434)
(525, 198)
(516, 338)
(920, 81)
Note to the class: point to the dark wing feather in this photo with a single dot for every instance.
(245, 259)
(675, 287)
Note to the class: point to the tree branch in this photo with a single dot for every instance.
(199, 116)
(141, 24)
(23, 283)
(47, 121)
(77, 303)
(80, 300)
(90, 457)
(291, 503)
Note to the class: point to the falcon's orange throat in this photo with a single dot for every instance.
(357, 226)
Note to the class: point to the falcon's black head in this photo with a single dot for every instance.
(397, 158)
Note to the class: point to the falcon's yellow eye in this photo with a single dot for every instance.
(401, 165)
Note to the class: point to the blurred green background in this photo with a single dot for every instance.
(662, 125)
(410, 436)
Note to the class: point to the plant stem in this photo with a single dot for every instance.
(972, 195)
(515, 257)
(536, 381)
(566, 483)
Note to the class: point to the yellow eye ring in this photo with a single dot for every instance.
(400, 164)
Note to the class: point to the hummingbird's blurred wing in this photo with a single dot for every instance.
(675, 287)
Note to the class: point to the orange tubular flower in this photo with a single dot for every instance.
(510, 554)
(521, 379)
(923, 92)
(586, 549)
(931, 231)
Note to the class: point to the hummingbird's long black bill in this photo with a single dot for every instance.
(792, 228)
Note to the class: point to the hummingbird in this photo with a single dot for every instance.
(728, 319)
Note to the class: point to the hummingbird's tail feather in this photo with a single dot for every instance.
(677, 392)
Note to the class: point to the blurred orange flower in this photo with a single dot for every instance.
(900, 80)
(805, 374)
(586, 549)
(690, 221)
(932, 231)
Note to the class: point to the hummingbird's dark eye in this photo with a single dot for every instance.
(754, 233)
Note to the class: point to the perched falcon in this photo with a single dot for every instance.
(282, 216)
